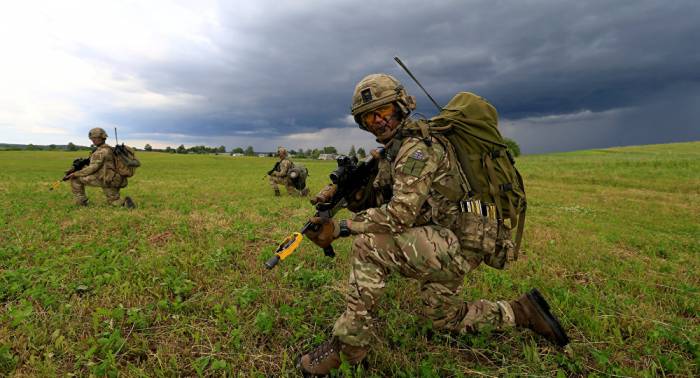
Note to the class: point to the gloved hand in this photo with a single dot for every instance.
(327, 231)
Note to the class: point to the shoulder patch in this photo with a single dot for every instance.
(413, 166)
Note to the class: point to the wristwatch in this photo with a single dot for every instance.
(343, 226)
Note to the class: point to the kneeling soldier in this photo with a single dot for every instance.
(283, 174)
(414, 234)
(100, 172)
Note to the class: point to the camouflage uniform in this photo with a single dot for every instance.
(413, 235)
(281, 177)
(423, 228)
(101, 173)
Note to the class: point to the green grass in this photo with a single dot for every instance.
(178, 287)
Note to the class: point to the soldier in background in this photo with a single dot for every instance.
(100, 172)
(413, 232)
(284, 174)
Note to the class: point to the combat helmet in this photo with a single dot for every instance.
(281, 152)
(97, 132)
(376, 90)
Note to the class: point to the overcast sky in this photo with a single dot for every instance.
(564, 75)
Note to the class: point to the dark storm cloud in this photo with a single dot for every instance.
(288, 68)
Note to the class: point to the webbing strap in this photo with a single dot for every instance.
(424, 132)
(521, 216)
(519, 233)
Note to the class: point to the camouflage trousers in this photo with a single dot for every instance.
(291, 190)
(77, 185)
(429, 254)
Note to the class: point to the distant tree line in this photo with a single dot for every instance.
(313, 153)
(301, 153)
(308, 153)
(248, 151)
(181, 149)
(35, 147)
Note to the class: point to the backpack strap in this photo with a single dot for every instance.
(425, 133)
(521, 217)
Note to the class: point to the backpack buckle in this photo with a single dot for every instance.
(507, 187)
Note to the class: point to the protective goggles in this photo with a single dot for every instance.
(384, 112)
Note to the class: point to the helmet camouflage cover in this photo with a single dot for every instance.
(376, 90)
(97, 132)
(281, 151)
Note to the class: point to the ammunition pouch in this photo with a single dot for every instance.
(112, 179)
(484, 239)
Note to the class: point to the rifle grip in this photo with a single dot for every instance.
(269, 264)
(328, 251)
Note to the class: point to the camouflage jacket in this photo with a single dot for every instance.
(425, 181)
(102, 166)
(283, 169)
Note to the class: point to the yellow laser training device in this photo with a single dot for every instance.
(288, 246)
(55, 185)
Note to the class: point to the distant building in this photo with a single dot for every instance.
(263, 155)
(327, 156)
(236, 154)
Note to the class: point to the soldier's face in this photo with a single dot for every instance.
(97, 141)
(381, 121)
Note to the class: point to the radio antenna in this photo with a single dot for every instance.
(396, 58)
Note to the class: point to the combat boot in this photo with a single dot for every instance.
(305, 192)
(82, 203)
(326, 357)
(129, 203)
(532, 311)
(277, 192)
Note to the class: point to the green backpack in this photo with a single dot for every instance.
(125, 162)
(298, 174)
(470, 123)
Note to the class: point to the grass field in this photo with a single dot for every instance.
(177, 287)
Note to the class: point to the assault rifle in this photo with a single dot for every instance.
(77, 165)
(349, 177)
(275, 168)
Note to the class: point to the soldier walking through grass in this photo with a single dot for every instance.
(416, 233)
(101, 172)
(284, 173)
